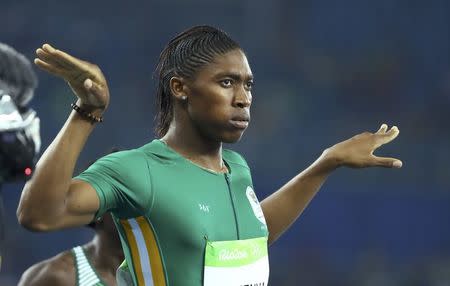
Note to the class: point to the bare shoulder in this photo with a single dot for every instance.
(58, 270)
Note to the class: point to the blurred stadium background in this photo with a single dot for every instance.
(325, 70)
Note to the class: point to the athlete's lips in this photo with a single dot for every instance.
(240, 121)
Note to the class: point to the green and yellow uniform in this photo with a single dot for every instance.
(168, 210)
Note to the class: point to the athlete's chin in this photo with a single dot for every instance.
(232, 137)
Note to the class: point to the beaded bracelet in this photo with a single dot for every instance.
(87, 115)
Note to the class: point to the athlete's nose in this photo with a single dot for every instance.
(243, 98)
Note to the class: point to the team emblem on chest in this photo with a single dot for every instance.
(256, 207)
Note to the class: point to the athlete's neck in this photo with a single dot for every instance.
(189, 144)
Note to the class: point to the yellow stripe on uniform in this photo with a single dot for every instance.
(134, 251)
(155, 257)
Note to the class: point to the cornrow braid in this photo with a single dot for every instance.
(183, 56)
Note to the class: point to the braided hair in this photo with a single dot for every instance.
(183, 56)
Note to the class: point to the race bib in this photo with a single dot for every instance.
(237, 263)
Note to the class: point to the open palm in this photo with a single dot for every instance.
(357, 152)
(86, 80)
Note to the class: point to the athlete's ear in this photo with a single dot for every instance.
(179, 88)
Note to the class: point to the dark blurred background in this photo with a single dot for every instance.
(325, 70)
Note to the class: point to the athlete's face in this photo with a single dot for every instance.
(220, 96)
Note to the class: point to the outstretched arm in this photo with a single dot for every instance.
(52, 199)
(284, 206)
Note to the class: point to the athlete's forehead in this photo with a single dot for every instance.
(233, 64)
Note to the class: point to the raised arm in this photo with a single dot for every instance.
(52, 199)
(283, 207)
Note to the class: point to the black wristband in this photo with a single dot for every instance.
(87, 115)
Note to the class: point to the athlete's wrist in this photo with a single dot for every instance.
(328, 161)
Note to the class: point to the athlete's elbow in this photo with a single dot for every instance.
(34, 213)
(31, 222)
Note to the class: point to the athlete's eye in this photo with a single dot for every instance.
(226, 82)
(249, 85)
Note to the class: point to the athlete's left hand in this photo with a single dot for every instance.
(357, 152)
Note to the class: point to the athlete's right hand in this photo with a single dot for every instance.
(86, 80)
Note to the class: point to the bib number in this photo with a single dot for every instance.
(236, 263)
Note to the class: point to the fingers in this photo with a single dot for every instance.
(47, 67)
(45, 56)
(384, 136)
(50, 64)
(59, 63)
(391, 134)
(48, 48)
(382, 129)
(60, 59)
(387, 162)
